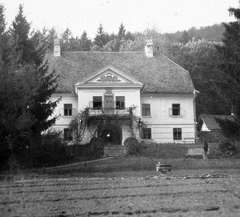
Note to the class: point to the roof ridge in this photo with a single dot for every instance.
(174, 62)
(112, 52)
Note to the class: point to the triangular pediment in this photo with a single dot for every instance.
(109, 75)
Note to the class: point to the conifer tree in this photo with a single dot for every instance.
(33, 52)
(101, 38)
(20, 31)
(85, 42)
(121, 32)
(229, 87)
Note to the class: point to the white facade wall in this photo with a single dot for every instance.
(162, 122)
(132, 97)
(65, 98)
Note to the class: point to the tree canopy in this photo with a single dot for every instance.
(229, 85)
(26, 85)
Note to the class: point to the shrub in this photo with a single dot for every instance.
(225, 145)
(48, 150)
(97, 147)
(5, 154)
(132, 146)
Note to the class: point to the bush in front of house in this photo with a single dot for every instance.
(225, 145)
(132, 146)
(96, 147)
(47, 150)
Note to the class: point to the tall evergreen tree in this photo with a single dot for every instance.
(66, 40)
(51, 35)
(121, 32)
(20, 31)
(101, 38)
(85, 42)
(229, 87)
(2, 32)
(33, 52)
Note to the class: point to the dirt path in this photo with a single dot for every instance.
(136, 196)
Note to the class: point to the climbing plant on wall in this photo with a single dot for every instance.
(82, 121)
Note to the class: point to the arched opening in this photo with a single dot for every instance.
(111, 134)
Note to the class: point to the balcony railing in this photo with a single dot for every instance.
(109, 110)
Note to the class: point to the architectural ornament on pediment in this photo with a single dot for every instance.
(108, 90)
(108, 77)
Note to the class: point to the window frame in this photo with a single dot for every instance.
(146, 112)
(67, 109)
(176, 109)
(147, 133)
(177, 134)
(121, 101)
(97, 100)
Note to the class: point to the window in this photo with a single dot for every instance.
(67, 109)
(97, 102)
(147, 133)
(146, 110)
(175, 109)
(177, 133)
(120, 102)
(67, 134)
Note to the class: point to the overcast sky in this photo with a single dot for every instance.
(136, 15)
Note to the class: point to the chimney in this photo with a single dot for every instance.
(149, 48)
(56, 48)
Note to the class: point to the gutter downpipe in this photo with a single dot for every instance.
(195, 94)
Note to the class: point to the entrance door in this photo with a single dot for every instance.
(109, 104)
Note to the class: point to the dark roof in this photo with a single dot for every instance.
(210, 120)
(158, 74)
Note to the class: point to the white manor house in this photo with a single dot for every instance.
(140, 94)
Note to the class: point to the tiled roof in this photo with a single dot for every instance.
(158, 74)
(211, 123)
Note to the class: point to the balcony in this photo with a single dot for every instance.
(115, 108)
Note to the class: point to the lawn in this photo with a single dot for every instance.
(149, 156)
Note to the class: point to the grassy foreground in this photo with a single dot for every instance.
(142, 164)
(174, 154)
